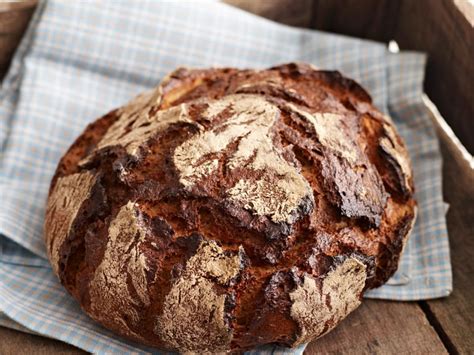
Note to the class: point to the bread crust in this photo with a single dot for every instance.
(227, 209)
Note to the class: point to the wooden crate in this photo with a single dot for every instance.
(443, 29)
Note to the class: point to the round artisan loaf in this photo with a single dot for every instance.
(229, 208)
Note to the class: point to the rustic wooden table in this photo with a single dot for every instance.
(377, 327)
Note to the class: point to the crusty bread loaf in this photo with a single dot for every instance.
(231, 208)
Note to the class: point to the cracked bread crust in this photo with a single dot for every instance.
(227, 209)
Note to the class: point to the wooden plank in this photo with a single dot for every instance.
(453, 316)
(7, 5)
(442, 30)
(8, 44)
(13, 342)
(14, 19)
(381, 327)
(290, 12)
(374, 19)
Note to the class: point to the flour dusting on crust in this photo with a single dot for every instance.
(63, 205)
(281, 188)
(397, 156)
(138, 122)
(122, 260)
(330, 132)
(318, 308)
(194, 301)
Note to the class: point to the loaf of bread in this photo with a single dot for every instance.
(230, 208)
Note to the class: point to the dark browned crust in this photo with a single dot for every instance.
(335, 225)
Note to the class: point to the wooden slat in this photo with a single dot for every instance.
(442, 30)
(374, 19)
(14, 18)
(454, 316)
(381, 327)
(9, 5)
(13, 342)
(290, 12)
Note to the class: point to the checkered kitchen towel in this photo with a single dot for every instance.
(80, 59)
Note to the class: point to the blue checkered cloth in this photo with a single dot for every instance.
(79, 59)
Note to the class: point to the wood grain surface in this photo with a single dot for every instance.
(289, 12)
(13, 342)
(440, 29)
(381, 327)
(443, 28)
(14, 18)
